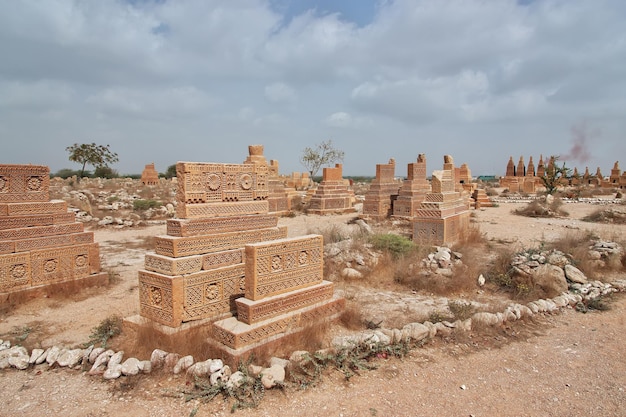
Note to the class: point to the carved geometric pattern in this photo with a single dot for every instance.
(14, 271)
(283, 265)
(237, 335)
(24, 183)
(200, 183)
(176, 247)
(59, 264)
(16, 222)
(40, 231)
(210, 293)
(254, 311)
(219, 259)
(24, 245)
(197, 227)
(157, 295)
(37, 207)
(173, 266)
(234, 208)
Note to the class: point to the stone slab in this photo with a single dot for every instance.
(33, 208)
(195, 245)
(173, 266)
(238, 208)
(283, 265)
(172, 300)
(236, 335)
(250, 312)
(40, 231)
(15, 222)
(206, 226)
(72, 239)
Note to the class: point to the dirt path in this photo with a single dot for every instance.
(569, 364)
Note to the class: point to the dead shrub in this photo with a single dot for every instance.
(537, 208)
(139, 340)
(461, 310)
(610, 215)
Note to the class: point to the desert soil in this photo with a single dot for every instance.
(565, 364)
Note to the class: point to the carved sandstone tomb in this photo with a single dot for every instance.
(443, 216)
(224, 246)
(413, 190)
(382, 193)
(42, 247)
(332, 194)
(197, 270)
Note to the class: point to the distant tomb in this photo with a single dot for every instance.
(382, 193)
(149, 175)
(443, 216)
(413, 190)
(332, 196)
(42, 247)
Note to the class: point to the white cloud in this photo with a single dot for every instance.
(280, 93)
(455, 70)
(180, 101)
(35, 95)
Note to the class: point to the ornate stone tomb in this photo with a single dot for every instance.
(41, 244)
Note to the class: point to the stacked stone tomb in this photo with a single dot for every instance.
(149, 175)
(41, 244)
(413, 190)
(382, 193)
(197, 269)
(203, 265)
(443, 216)
(332, 195)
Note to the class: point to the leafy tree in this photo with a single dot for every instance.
(91, 154)
(170, 172)
(554, 175)
(323, 154)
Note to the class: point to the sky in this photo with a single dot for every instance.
(199, 80)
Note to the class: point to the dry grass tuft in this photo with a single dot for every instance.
(351, 318)
(538, 208)
(604, 215)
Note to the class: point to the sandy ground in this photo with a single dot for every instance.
(568, 364)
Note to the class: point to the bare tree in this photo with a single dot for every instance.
(323, 154)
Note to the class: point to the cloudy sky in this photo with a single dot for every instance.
(199, 80)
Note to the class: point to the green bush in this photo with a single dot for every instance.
(395, 244)
(140, 204)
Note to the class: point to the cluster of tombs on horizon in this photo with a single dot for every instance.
(224, 262)
(524, 178)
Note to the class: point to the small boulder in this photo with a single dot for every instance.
(574, 274)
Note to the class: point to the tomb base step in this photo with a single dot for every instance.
(237, 341)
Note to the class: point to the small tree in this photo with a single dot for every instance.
(170, 172)
(92, 154)
(323, 154)
(554, 175)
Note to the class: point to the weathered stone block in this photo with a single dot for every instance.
(283, 265)
(196, 245)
